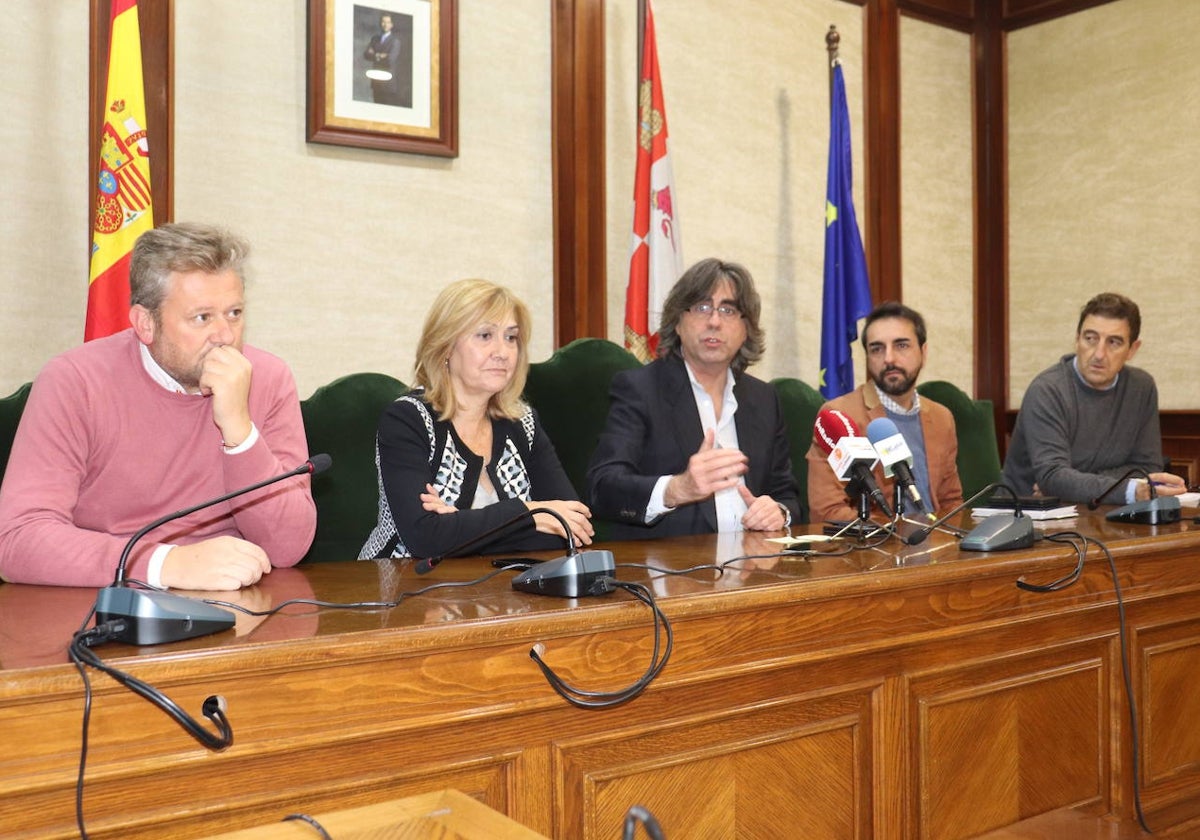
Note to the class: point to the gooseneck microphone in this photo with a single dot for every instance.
(152, 617)
(1157, 510)
(897, 459)
(571, 576)
(990, 534)
(425, 565)
(1095, 501)
(850, 455)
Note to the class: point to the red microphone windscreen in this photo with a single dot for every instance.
(830, 427)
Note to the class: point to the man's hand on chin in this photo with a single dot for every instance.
(225, 376)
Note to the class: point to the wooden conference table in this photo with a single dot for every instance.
(895, 692)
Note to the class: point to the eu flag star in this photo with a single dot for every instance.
(830, 213)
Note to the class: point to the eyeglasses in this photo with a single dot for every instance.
(727, 312)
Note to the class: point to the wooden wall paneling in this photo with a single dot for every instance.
(881, 135)
(1007, 737)
(1018, 13)
(956, 14)
(1171, 739)
(578, 151)
(702, 773)
(991, 346)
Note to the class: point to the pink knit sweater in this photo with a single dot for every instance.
(102, 450)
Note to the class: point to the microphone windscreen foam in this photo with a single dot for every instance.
(830, 427)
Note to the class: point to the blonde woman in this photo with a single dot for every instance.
(461, 454)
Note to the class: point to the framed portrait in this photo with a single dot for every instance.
(383, 74)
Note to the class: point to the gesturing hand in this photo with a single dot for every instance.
(708, 471)
(762, 512)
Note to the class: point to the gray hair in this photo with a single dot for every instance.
(181, 247)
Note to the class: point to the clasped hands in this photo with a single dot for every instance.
(713, 469)
(575, 513)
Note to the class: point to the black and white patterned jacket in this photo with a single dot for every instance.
(414, 448)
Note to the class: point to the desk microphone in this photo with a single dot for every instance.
(996, 533)
(425, 565)
(1153, 511)
(570, 576)
(152, 617)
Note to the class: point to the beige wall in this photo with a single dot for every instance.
(1104, 184)
(43, 216)
(351, 244)
(937, 194)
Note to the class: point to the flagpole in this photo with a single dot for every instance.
(641, 32)
(832, 39)
(846, 292)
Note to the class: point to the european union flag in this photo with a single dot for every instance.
(847, 294)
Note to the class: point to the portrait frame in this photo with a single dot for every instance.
(356, 97)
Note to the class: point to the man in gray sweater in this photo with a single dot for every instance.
(1089, 419)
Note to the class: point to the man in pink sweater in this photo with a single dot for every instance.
(160, 417)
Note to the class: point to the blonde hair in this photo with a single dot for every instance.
(458, 309)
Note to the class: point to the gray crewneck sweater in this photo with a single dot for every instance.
(1074, 441)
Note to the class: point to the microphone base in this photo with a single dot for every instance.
(567, 577)
(1003, 532)
(1162, 510)
(155, 618)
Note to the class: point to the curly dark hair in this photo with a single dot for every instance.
(697, 284)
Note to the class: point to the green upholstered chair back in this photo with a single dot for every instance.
(11, 408)
(975, 424)
(341, 419)
(570, 393)
(800, 402)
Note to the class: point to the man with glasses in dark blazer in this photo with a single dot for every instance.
(693, 444)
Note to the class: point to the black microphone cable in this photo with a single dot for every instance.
(640, 814)
(83, 657)
(1081, 542)
(585, 699)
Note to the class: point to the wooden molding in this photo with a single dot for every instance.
(1018, 13)
(991, 216)
(881, 136)
(578, 154)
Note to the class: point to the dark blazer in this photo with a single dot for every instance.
(653, 428)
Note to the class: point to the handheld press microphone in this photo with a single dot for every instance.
(1157, 510)
(152, 617)
(850, 455)
(897, 459)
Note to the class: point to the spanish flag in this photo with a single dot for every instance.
(657, 258)
(123, 211)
